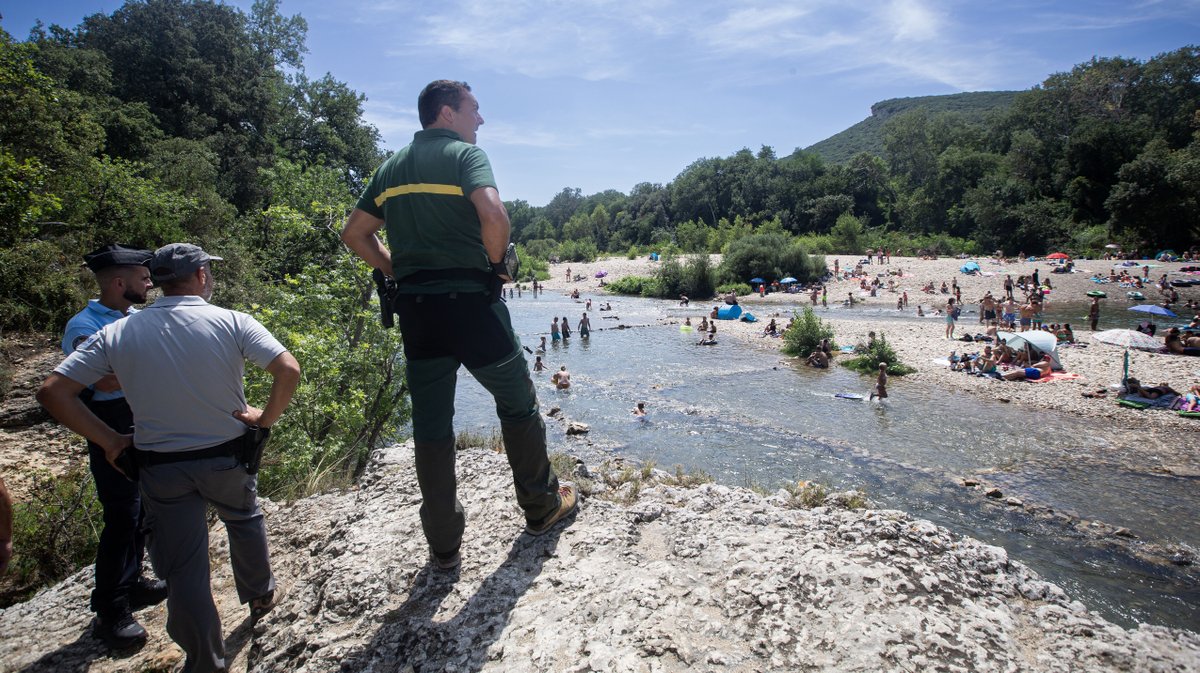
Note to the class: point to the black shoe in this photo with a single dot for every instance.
(119, 632)
(145, 593)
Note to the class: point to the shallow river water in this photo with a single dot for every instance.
(748, 416)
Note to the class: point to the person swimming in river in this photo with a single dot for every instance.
(538, 365)
(639, 410)
(561, 378)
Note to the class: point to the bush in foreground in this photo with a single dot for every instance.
(806, 333)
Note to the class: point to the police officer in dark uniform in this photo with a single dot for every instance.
(120, 587)
(447, 231)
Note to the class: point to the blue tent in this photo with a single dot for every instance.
(969, 267)
(748, 317)
(729, 312)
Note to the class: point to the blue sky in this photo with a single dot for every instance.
(604, 94)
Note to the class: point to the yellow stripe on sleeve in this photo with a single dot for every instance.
(419, 188)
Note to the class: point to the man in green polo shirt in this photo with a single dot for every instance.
(447, 231)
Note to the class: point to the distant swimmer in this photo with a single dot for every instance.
(640, 409)
(561, 378)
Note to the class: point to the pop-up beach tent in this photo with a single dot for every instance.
(969, 267)
(1038, 341)
(732, 312)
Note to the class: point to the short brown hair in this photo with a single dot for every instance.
(436, 94)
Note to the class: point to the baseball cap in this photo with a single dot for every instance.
(177, 260)
(115, 254)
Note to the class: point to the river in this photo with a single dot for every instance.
(750, 417)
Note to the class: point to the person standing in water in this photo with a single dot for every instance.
(554, 335)
(585, 326)
(561, 378)
(880, 390)
(566, 328)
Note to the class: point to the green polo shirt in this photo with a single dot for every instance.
(422, 193)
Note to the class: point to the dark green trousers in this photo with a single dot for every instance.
(441, 333)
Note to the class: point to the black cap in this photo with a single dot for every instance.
(116, 254)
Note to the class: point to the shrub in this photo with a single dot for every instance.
(351, 397)
(466, 439)
(689, 479)
(874, 353)
(57, 528)
(736, 288)
(806, 333)
(578, 251)
(40, 286)
(532, 266)
(698, 277)
(632, 285)
(806, 494)
(770, 256)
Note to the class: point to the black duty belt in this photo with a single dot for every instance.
(150, 458)
(427, 275)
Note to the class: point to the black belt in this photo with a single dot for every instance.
(149, 458)
(427, 275)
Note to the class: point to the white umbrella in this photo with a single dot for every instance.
(1039, 340)
(1113, 246)
(1128, 338)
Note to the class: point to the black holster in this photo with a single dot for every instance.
(254, 442)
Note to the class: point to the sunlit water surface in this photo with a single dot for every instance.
(746, 416)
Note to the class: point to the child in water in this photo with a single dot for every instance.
(880, 390)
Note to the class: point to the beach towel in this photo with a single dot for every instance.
(1055, 376)
(1164, 402)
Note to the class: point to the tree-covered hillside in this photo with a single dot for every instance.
(977, 107)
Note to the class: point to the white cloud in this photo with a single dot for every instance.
(913, 20)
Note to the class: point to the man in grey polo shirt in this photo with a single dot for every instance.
(181, 363)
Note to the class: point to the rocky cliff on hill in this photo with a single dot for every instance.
(661, 578)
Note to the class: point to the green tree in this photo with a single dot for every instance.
(848, 234)
(352, 395)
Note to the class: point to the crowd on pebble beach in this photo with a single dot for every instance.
(917, 329)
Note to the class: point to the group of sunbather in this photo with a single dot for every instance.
(1005, 362)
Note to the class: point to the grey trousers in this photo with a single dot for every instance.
(176, 496)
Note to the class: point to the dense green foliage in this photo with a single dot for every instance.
(873, 353)
(1105, 153)
(867, 135)
(188, 120)
(805, 334)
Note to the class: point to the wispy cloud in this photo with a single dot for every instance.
(1104, 15)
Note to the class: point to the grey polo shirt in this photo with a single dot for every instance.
(180, 362)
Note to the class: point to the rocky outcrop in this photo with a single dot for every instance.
(705, 578)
